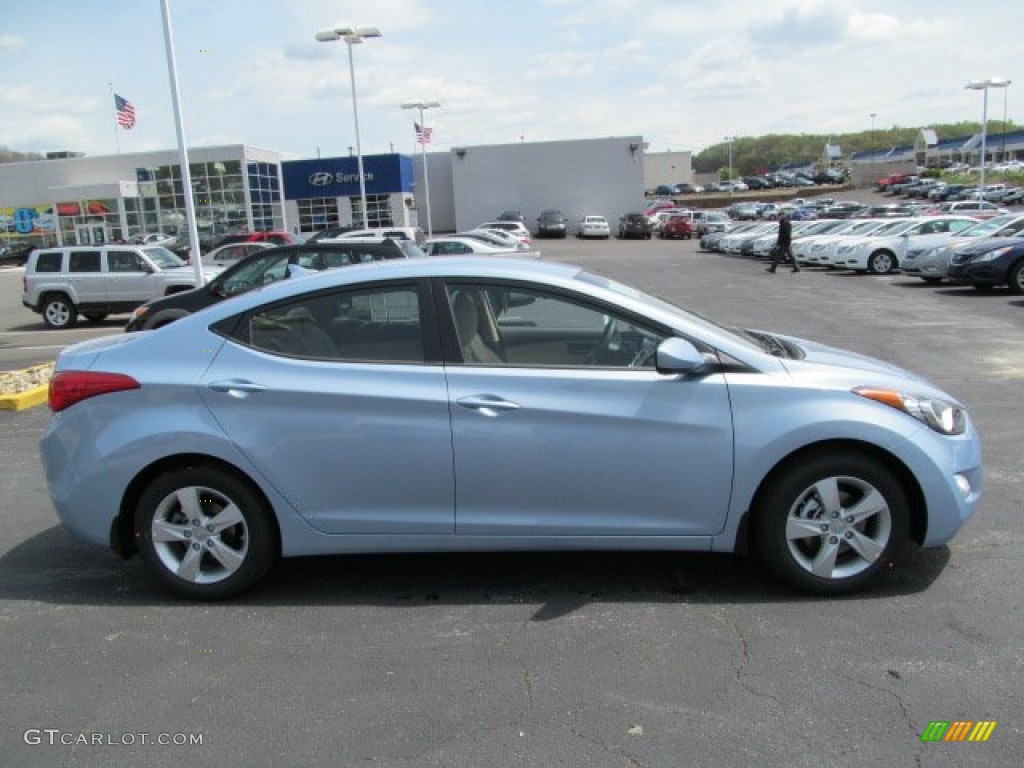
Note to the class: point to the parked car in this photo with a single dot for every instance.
(266, 267)
(270, 428)
(511, 216)
(461, 245)
(16, 254)
(711, 221)
(497, 237)
(882, 252)
(634, 225)
(929, 256)
(515, 228)
(678, 226)
(100, 280)
(412, 234)
(552, 223)
(227, 255)
(687, 189)
(990, 263)
(272, 236)
(594, 226)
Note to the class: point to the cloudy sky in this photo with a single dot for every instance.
(682, 73)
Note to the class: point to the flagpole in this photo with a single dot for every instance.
(117, 136)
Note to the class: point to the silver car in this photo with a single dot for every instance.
(480, 404)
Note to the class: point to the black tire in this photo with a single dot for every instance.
(96, 317)
(818, 544)
(881, 262)
(1015, 279)
(58, 311)
(221, 551)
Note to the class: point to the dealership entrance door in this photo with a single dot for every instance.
(91, 234)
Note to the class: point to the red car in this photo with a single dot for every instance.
(677, 226)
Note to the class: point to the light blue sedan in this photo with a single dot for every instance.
(473, 404)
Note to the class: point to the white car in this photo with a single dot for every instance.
(516, 228)
(883, 252)
(456, 245)
(817, 250)
(497, 237)
(231, 253)
(594, 226)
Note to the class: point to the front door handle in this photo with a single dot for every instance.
(236, 387)
(488, 405)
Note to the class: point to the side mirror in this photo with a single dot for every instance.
(677, 355)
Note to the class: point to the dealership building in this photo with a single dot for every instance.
(90, 200)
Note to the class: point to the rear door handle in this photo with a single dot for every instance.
(236, 387)
(488, 405)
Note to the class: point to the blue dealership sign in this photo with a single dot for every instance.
(339, 176)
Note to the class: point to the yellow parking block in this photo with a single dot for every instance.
(25, 389)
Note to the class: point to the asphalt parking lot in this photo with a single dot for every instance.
(582, 659)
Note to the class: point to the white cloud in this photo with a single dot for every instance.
(12, 44)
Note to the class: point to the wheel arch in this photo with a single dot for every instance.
(915, 495)
(122, 539)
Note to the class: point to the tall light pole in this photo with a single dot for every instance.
(353, 36)
(872, 135)
(730, 140)
(423, 137)
(984, 85)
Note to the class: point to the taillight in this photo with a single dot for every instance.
(70, 387)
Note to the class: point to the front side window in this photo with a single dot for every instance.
(524, 326)
(124, 261)
(367, 325)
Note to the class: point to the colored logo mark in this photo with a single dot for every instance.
(959, 730)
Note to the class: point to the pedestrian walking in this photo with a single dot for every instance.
(781, 252)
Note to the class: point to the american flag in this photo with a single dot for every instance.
(422, 133)
(125, 112)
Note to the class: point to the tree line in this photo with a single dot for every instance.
(758, 154)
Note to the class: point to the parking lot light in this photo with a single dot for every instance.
(423, 139)
(984, 85)
(352, 36)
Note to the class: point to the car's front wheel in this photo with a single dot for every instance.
(59, 312)
(205, 533)
(831, 524)
(881, 263)
(1015, 280)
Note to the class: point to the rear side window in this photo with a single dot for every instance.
(84, 261)
(48, 262)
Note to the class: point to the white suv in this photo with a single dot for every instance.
(98, 280)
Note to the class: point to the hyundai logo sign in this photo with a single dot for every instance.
(321, 178)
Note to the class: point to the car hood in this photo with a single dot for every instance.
(834, 367)
(986, 244)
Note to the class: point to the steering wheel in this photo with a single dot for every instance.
(644, 353)
(611, 338)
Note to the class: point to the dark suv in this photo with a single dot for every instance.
(267, 267)
(552, 223)
(635, 225)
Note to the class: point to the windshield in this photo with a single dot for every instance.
(162, 257)
(755, 342)
(990, 227)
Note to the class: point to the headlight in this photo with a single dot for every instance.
(993, 255)
(944, 417)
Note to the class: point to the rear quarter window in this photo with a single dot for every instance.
(48, 262)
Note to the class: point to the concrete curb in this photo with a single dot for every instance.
(25, 389)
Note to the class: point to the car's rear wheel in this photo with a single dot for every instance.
(205, 533)
(58, 311)
(831, 524)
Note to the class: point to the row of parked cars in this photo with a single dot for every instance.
(773, 180)
(986, 253)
